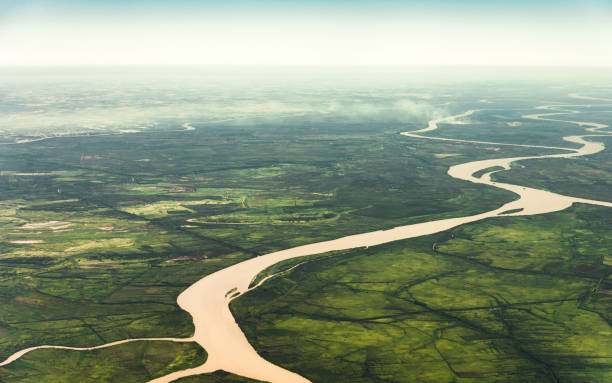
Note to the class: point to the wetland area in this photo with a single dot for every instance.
(432, 245)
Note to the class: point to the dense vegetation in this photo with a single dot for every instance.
(100, 232)
(129, 363)
(509, 299)
(587, 177)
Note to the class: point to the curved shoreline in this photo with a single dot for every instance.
(208, 302)
(21, 353)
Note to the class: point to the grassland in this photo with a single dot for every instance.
(509, 299)
(589, 177)
(97, 247)
(99, 234)
(130, 363)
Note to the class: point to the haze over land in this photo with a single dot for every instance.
(305, 191)
(121, 188)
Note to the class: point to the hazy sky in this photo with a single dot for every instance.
(366, 32)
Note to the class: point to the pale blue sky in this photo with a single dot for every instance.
(328, 33)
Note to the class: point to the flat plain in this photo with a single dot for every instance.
(107, 217)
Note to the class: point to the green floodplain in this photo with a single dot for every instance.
(119, 208)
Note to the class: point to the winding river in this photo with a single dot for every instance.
(208, 300)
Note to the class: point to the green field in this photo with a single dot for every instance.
(132, 362)
(101, 230)
(510, 299)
